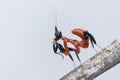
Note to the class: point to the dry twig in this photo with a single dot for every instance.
(101, 62)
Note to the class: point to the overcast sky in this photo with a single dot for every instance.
(26, 34)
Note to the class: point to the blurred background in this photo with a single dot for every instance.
(27, 31)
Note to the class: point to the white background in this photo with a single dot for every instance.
(26, 34)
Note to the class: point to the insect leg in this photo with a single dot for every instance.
(72, 59)
(95, 50)
(78, 57)
(72, 49)
(55, 47)
(60, 47)
(102, 48)
(81, 67)
(99, 47)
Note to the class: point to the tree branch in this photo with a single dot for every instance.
(101, 62)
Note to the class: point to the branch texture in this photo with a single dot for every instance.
(101, 62)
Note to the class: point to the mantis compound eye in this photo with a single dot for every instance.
(58, 34)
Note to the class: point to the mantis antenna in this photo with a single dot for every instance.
(55, 17)
(54, 12)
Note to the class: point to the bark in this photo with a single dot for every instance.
(96, 65)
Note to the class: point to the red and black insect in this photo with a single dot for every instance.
(84, 43)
